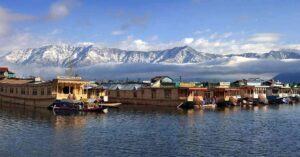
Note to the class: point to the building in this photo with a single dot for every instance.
(155, 96)
(253, 92)
(159, 81)
(37, 93)
(226, 94)
(67, 87)
(5, 73)
(248, 82)
(279, 91)
(26, 92)
(163, 91)
(94, 90)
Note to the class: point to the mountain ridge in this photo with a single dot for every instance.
(83, 55)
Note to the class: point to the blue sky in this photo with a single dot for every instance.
(216, 26)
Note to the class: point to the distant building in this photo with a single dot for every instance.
(248, 82)
(159, 81)
(5, 73)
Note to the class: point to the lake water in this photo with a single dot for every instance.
(136, 131)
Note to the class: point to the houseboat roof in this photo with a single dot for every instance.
(225, 89)
(69, 79)
(124, 86)
(17, 81)
(157, 78)
(5, 69)
(197, 88)
(252, 87)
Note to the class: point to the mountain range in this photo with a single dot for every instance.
(66, 55)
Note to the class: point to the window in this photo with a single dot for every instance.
(153, 93)
(49, 91)
(16, 90)
(135, 93)
(167, 93)
(66, 90)
(118, 93)
(42, 91)
(23, 91)
(1, 89)
(34, 91)
(11, 90)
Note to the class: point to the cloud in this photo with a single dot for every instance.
(197, 32)
(132, 44)
(188, 40)
(265, 37)
(118, 32)
(61, 9)
(56, 31)
(221, 43)
(220, 71)
(22, 40)
(8, 17)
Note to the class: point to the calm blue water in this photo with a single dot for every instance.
(264, 131)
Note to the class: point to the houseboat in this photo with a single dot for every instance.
(34, 92)
(162, 91)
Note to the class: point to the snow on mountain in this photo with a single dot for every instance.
(279, 55)
(63, 55)
(84, 55)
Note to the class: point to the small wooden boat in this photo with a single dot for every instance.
(110, 105)
(74, 105)
(186, 105)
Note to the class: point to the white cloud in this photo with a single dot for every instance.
(197, 32)
(265, 37)
(132, 44)
(118, 32)
(7, 18)
(55, 32)
(227, 35)
(154, 37)
(24, 40)
(61, 9)
(188, 40)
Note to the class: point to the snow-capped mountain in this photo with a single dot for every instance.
(281, 54)
(64, 55)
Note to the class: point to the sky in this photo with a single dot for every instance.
(214, 26)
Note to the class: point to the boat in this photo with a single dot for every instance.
(75, 105)
(224, 104)
(186, 105)
(103, 103)
(279, 100)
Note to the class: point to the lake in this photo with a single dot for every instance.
(144, 131)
